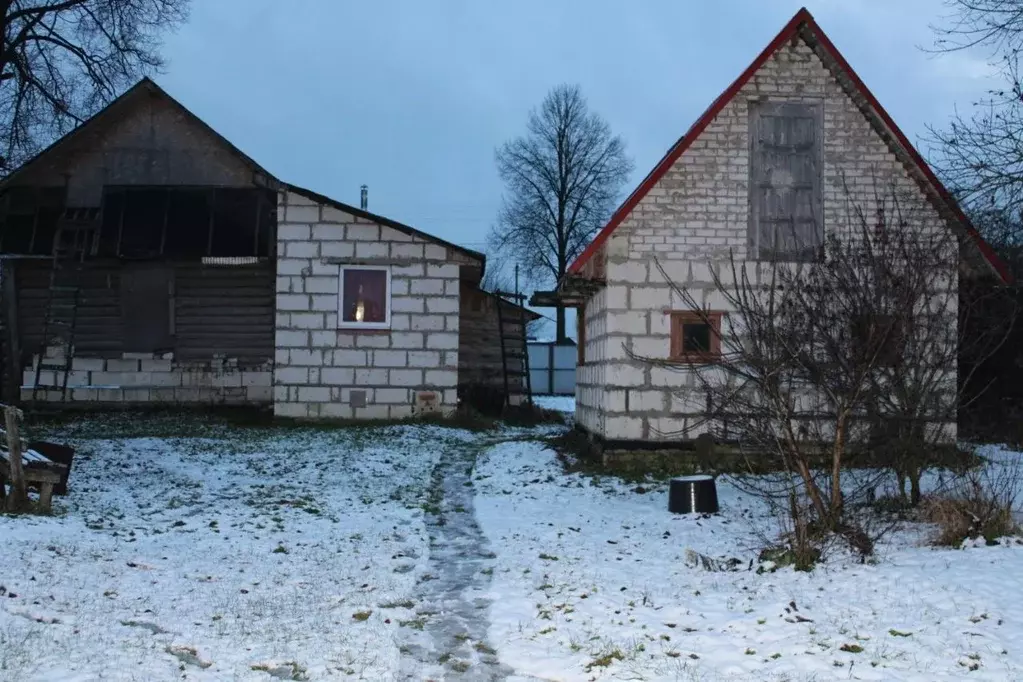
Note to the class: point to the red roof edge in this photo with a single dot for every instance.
(789, 31)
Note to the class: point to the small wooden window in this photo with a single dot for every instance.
(695, 336)
(364, 297)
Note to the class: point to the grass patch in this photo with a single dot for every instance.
(606, 659)
(361, 616)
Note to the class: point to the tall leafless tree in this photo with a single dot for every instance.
(980, 152)
(853, 352)
(64, 59)
(562, 180)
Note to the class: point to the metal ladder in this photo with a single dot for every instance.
(72, 241)
(523, 371)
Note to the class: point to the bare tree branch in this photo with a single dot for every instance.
(64, 59)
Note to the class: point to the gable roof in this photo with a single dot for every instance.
(147, 85)
(802, 22)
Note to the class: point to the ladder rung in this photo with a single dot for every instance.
(45, 365)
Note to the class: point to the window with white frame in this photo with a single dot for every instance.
(364, 297)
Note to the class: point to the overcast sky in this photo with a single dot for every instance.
(412, 97)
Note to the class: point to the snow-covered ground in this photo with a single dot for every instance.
(380, 553)
(213, 557)
(560, 403)
(591, 583)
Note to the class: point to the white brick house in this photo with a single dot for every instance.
(197, 277)
(697, 206)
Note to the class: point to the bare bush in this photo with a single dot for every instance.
(979, 503)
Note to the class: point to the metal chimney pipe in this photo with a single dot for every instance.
(364, 197)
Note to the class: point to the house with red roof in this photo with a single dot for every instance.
(706, 201)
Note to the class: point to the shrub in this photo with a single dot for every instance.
(979, 503)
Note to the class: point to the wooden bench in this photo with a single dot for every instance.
(36, 469)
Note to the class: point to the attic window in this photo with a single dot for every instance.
(786, 169)
(364, 297)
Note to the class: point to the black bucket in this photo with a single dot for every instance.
(693, 494)
(61, 454)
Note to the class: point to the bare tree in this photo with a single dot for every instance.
(980, 153)
(63, 59)
(562, 180)
(823, 361)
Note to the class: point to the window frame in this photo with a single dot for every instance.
(346, 324)
(676, 323)
(756, 109)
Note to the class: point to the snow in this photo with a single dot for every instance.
(419, 552)
(559, 403)
(590, 571)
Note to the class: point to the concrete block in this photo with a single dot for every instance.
(165, 379)
(435, 252)
(290, 267)
(372, 412)
(288, 232)
(337, 250)
(372, 340)
(449, 358)
(452, 287)
(362, 232)
(623, 428)
(442, 304)
(82, 394)
(307, 358)
(393, 395)
(408, 250)
(109, 395)
(302, 214)
(136, 395)
(314, 394)
(648, 401)
(400, 411)
(427, 322)
(426, 287)
(444, 271)
(257, 378)
(411, 270)
(88, 364)
(157, 365)
(288, 338)
(408, 340)
(294, 199)
(323, 233)
(329, 214)
(291, 410)
(302, 249)
(291, 375)
(406, 377)
(441, 377)
(334, 410)
(400, 322)
(407, 304)
(122, 365)
(399, 286)
(371, 377)
(451, 323)
(226, 379)
(292, 302)
(390, 358)
(389, 234)
(323, 339)
(442, 341)
(324, 302)
(321, 285)
(371, 250)
(337, 376)
(425, 359)
(307, 320)
(350, 358)
(280, 394)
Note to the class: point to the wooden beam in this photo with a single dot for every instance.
(12, 392)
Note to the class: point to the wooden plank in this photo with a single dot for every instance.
(10, 296)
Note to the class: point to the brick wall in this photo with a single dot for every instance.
(318, 366)
(148, 378)
(690, 221)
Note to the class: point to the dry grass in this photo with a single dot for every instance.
(978, 504)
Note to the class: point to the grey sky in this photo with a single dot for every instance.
(412, 97)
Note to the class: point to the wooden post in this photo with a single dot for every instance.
(9, 291)
(18, 499)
